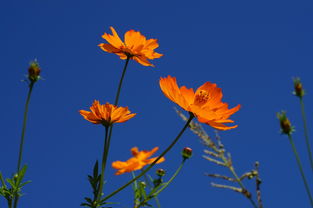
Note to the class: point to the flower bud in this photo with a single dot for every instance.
(160, 172)
(34, 71)
(186, 153)
(285, 124)
(298, 88)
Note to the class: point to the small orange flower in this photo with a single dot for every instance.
(140, 159)
(205, 103)
(135, 47)
(106, 114)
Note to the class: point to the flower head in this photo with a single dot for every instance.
(137, 162)
(106, 114)
(34, 71)
(206, 103)
(298, 88)
(285, 124)
(135, 46)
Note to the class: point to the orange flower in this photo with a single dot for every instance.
(140, 159)
(205, 103)
(136, 46)
(106, 114)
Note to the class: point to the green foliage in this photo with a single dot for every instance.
(94, 181)
(12, 187)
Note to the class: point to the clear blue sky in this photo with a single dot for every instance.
(251, 49)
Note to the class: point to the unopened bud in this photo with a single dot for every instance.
(187, 153)
(143, 184)
(285, 124)
(298, 88)
(34, 71)
(160, 172)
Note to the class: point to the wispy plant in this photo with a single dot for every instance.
(217, 154)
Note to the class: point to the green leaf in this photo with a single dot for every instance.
(85, 205)
(95, 170)
(2, 180)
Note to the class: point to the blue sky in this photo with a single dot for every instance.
(251, 49)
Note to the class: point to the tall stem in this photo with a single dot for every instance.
(121, 82)
(108, 133)
(306, 134)
(154, 162)
(24, 126)
(300, 168)
(103, 164)
(20, 154)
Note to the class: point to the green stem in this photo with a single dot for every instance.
(31, 85)
(307, 141)
(10, 203)
(121, 82)
(103, 164)
(171, 179)
(108, 132)
(157, 192)
(16, 198)
(154, 162)
(24, 126)
(300, 168)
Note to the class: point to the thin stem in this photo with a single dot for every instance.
(104, 160)
(10, 203)
(108, 133)
(148, 180)
(172, 178)
(24, 126)
(121, 82)
(300, 168)
(257, 186)
(306, 134)
(232, 170)
(154, 162)
(20, 154)
(16, 198)
(157, 192)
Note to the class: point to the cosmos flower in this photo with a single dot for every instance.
(106, 114)
(205, 103)
(140, 159)
(135, 46)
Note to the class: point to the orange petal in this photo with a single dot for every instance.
(109, 48)
(220, 126)
(114, 39)
(143, 61)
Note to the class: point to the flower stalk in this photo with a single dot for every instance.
(300, 92)
(306, 134)
(103, 164)
(121, 82)
(20, 154)
(152, 164)
(300, 168)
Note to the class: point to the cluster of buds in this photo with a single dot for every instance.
(298, 88)
(285, 124)
(34, 71)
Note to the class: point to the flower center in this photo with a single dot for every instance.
(202, 97)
